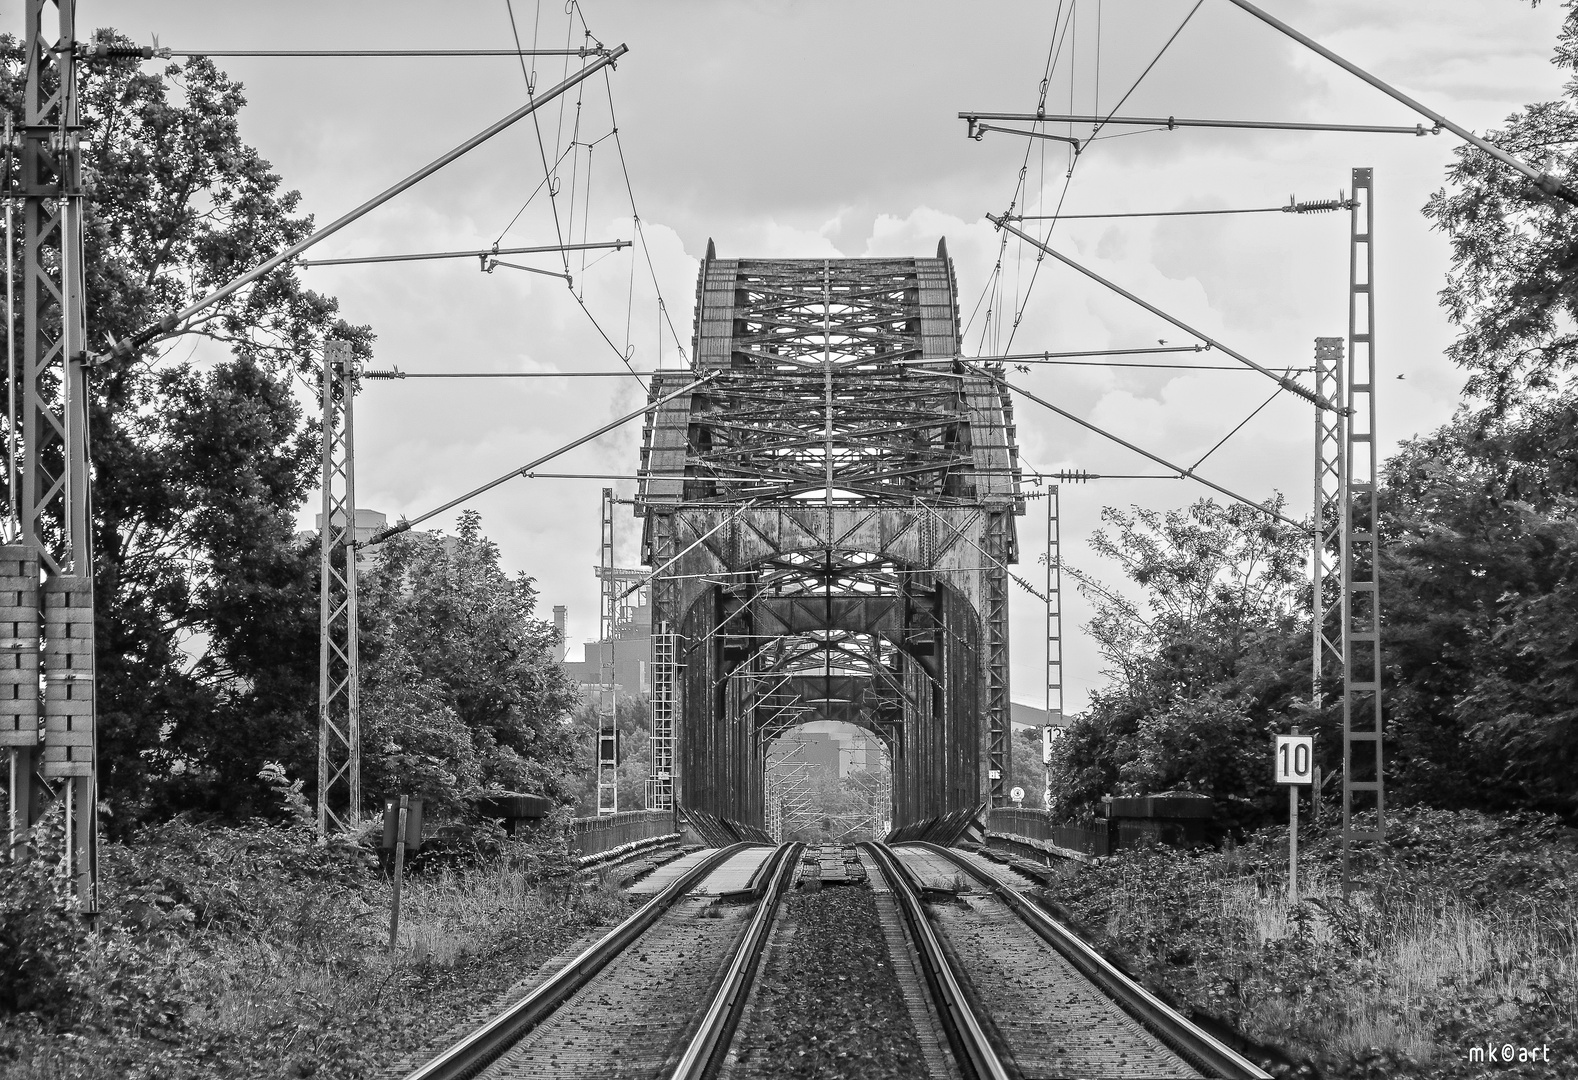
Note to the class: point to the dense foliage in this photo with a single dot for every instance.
(1460, 933)
(461, 693)
(1200, 670)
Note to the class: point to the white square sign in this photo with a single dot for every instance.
(1294, 759)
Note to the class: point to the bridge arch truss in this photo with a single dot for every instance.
(831, 519)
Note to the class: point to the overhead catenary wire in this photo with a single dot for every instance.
(1237, 428)
(1163, 462)
(1282, 380)
(1543, 180)
(635, 215)
(403, 526)
(1040, 110)
(169, 323)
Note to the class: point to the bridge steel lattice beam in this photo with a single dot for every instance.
(819, 510)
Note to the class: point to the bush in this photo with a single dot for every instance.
(56, 973)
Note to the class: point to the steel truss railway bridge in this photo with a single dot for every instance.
(831, 517)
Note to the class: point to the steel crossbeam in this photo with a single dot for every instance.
(819, 511)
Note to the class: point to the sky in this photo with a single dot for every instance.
(814, 128)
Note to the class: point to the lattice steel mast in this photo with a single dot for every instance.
(1054, 701)
(1326, 651)
(607, 706)
(1361, 599)
(339, 675)
(55, 532)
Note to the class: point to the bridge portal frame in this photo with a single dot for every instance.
(842, 448)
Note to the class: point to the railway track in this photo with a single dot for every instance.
(658, 996)
(1020, 996)
(996, 988)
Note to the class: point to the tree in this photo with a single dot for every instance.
(1514, 254)
(1480, 592)
(1202, 668)
(206, 617)
(464, 696)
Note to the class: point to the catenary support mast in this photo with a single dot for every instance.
(339, 676)
(1363, 782)
(607, 706)
(55, 537)
(1054, 703)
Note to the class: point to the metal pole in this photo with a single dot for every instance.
(607, 705)
(1544, 181)
(339, 693)
(1293, 840)
(13, 526)
(1361, 597)
(399, 874)
(1326, 649)
(170, 322)
(1054, 702)
(55, 505)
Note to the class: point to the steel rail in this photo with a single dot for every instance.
(1183, 1037)
(722, 1017)
(477, 1050)
(972, 1049)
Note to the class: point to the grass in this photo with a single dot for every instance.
(1463, 931)
(272, 956)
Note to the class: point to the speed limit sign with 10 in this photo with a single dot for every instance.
(1294, 759)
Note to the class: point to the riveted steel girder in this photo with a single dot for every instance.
(832, 517)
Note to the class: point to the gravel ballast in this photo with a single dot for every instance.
(827, 1002)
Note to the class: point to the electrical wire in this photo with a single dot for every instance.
(635, 215)
(1237, 428)
(1040, 258)
(1154, 61)
(536, 124)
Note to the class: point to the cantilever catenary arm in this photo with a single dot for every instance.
(1542, 180)
(1179, 469)
(1283, 381)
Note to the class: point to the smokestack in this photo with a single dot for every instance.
(561, 616)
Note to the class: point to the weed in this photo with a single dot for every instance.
(1462, 929)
